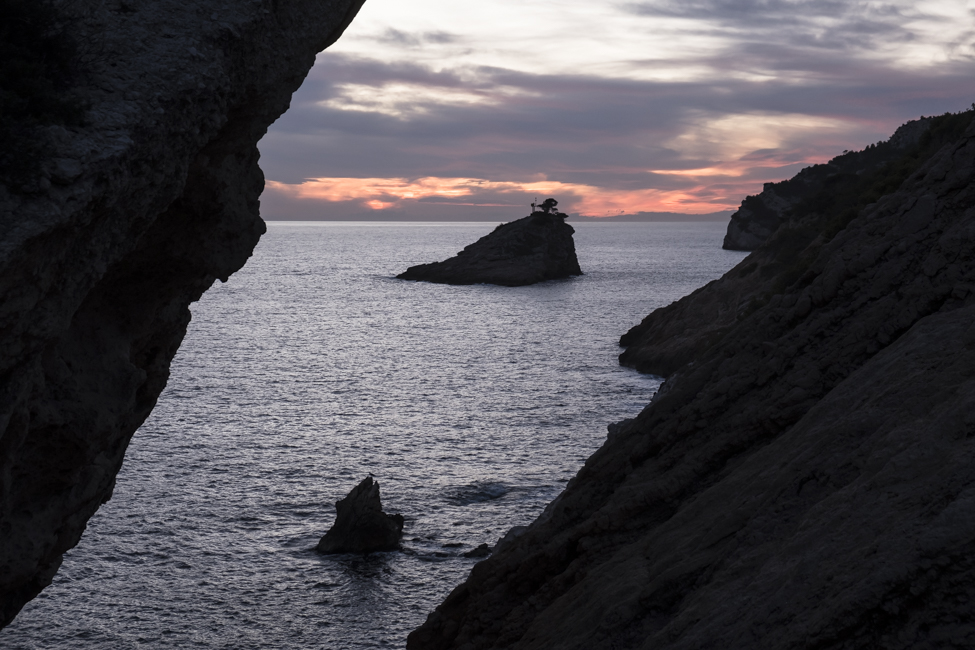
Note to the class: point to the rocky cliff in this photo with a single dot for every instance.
(113, 223)
(533, 249)
(804, 478)
(846, 183)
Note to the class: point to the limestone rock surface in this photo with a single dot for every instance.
(135, 212)
(804, 478)
(361, 526)
(533, 249)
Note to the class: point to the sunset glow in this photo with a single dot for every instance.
(587, 200)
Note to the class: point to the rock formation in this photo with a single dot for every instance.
(123, 218)
(533, 249)
(867, 175)
(482, 550)
(360, 525)
(804, 478)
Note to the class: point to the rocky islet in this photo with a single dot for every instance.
(533, 249)
(360, 525)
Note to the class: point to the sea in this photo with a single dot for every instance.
(312, 368)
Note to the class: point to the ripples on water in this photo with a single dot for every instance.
(473, 406)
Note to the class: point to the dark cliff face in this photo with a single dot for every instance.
(806, 474)
(129, 216)
(844, 185)
(533, 249)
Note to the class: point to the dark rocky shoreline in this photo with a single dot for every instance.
(803, 478)
(842, 186)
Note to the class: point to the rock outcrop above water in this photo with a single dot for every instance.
(854, 173)
(123, 218)
(361, 526)
(533, 249)
(804, 478)
(482, 550)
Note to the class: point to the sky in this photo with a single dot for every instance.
(437, 108)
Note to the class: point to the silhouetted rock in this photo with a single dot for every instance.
(536, 248)
(804, 478)
(481, 551)
(825, 188)
(132, 214)
(361, 526)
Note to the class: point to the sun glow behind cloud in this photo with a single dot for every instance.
(655, 105)
(733, 137)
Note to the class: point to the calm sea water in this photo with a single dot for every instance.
(312, 367)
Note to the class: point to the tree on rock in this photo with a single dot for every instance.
(548, 206)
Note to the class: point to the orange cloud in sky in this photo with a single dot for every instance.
(703, 171)
(590, 200)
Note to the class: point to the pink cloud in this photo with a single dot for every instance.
(588, 200)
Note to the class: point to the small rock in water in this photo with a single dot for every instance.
(361, 526)
(481, 551)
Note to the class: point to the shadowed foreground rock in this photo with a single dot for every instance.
(533, 249)
(128, 216)
(804, 478)
(361, 526)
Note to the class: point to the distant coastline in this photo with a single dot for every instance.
(636, 217)
(658, 216)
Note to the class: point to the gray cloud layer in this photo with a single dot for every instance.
(611, 132)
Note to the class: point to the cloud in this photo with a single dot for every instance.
(416, 39)
(694, 105)
(588, 200)
(909, 33)
(403, 99)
